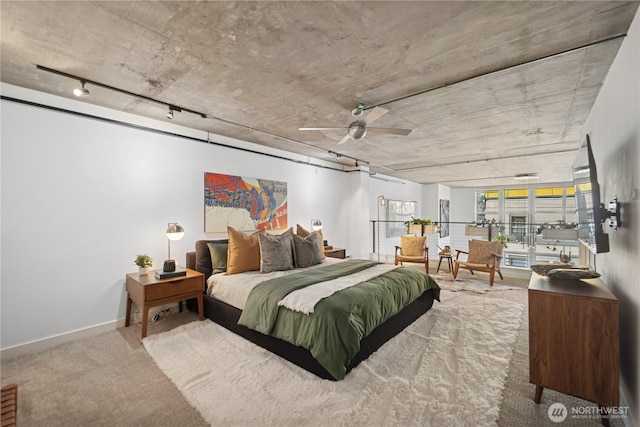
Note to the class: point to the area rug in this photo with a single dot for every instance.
(464, 283)
(447, 368)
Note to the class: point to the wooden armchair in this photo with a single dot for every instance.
(482, 256)
(413, 249)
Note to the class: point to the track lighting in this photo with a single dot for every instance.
(85, 92)
(81, 91)
(172, 108)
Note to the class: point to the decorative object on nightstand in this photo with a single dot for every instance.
(148, 291)
(144, 263)
(174, 232)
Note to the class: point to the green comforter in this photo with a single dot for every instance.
(333, 332)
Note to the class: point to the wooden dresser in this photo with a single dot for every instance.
(573, 339)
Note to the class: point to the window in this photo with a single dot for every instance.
(523, 210)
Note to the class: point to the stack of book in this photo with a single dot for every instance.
(168, 274)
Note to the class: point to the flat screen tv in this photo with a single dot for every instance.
(591, 214)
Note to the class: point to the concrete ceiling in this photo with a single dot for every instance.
(490, 89)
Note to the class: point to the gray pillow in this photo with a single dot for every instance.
(276, 252)
(218, 251)
(307, 250)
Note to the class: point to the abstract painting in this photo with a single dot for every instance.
(444, 218)
(243, 203)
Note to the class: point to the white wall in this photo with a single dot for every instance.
(614, 129)
(81, 197)
(392, 189)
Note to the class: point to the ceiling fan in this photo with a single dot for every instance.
(358, 128)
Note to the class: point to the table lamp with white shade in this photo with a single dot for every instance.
(174, 232)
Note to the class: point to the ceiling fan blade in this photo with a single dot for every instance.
(374, 114)
(392, 131)
(342, 128)
(343, 140)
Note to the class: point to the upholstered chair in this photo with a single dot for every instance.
(482, 256)
(413, 249)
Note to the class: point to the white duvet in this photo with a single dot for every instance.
(234, 289)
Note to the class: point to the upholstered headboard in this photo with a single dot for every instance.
(200, 259)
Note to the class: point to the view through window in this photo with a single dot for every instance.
(539, 222)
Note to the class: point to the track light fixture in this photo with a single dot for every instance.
(172, 108)
(340, 155)
(81, 91)
(84, 92)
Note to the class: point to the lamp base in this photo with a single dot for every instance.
(169, 266)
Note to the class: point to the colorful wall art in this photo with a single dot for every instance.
(243, 203)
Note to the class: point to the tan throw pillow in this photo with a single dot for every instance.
(300, 231)
(244, 251)
(412, 245)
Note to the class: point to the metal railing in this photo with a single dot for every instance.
(526, 244)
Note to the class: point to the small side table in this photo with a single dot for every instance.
(147, 292)
(335, 253)
(447, 256)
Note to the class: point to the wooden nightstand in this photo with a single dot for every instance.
(335, 253)
(147, 292)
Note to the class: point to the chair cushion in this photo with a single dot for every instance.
(411, 258)
(481, 251)
(472, 266)
(412, 246)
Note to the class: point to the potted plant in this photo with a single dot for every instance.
(501, 237)
(144, 263)
(420, 226)
(559, 230)
(479, 228)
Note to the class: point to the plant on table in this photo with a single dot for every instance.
(144, 260)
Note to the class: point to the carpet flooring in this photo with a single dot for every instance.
(110, 380)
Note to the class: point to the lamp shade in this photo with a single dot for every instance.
(174, 231)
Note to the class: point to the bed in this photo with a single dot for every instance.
(228, 313)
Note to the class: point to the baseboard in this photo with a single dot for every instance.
(56, 340)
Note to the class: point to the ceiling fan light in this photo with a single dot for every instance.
(357, 130)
